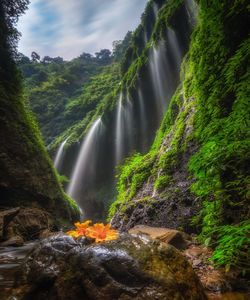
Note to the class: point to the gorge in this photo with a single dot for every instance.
(154, 134)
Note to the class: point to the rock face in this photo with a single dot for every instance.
(132, 267)
(23, 224)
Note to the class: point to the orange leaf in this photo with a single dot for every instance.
(101, 232)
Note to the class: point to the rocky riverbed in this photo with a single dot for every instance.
(144, 264)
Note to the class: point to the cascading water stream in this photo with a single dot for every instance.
(158, 75)
(83, 166)
(59, 155)
(119, 131)
(143, 120)
(128, 119)
(174, 45)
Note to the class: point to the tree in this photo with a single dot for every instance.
(104, 55)
(58, 60)
(35, 57)
(86, 56)
(120, 47)
(22, 59)
(10, 10)
(47, 59)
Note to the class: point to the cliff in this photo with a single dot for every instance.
(27, 177)
(195, 175)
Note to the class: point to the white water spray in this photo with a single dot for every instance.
(84, 160)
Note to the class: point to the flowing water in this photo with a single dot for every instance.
(85, 164)
(10, 260)
(59, 155)
(119, 131)
(143, 120)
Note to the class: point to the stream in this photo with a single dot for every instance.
(10, 260)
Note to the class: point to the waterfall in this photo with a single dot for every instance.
(192, 11)
(143, 119)
(59, 155)
(119, 131)
(174, 45)
(85, 162)
(129, 120)
(158, 74)
(155, 9)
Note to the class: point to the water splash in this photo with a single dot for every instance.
(59, 155)
(85, 162)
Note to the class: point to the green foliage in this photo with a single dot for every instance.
(61, 94)
(96, 98)
(220, 83)
(233, 248)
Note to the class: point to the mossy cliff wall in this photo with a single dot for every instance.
(27, 177)
(195, 175)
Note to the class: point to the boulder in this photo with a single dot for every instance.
(29, 223)
(24, 223)
(170, 236)
(131, 267)
(5, 217)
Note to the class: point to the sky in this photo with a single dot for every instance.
(68, 28)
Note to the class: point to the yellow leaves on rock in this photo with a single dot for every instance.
(99, 232)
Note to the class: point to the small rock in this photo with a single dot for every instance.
(166, 235)
(197, 262)
(45, 234)
(15, 241)
(216, 281)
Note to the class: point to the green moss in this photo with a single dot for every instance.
(162, 181)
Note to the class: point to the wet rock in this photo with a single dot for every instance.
(15, 241)
(173, 237)
(28, 223)
(5, 217)
(132, 267)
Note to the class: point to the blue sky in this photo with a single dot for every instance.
(69, 27)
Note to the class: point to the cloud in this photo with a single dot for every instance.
(68, 28)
